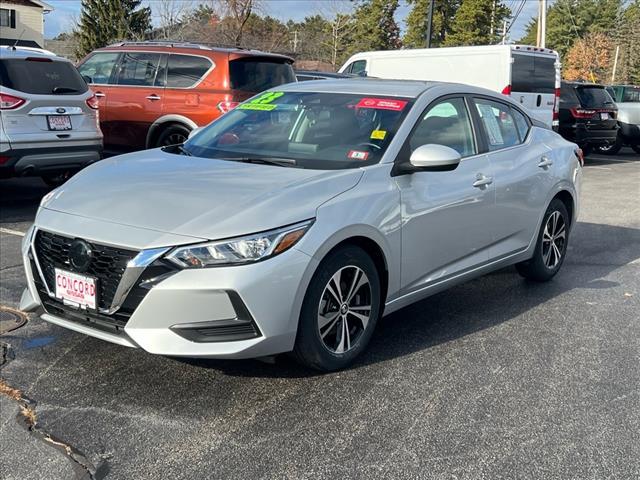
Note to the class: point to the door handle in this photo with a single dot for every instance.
(545, 162)
(482, 181)
(100, 95)
(153, 97)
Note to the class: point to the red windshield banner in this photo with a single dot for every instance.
(382, 104)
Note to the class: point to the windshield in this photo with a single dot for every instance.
(315, 130)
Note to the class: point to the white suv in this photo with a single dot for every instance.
(48, 116)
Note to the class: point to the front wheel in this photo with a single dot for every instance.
(551, 246)
(340, 310)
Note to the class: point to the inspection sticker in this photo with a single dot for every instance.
(378, 134)
(357, 155)
(382, 104)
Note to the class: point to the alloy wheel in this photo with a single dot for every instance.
(345, 309)
(554, 240)
(174, 139)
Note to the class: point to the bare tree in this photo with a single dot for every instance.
(170, 14)
(339, 14)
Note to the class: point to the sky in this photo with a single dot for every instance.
(66, 12)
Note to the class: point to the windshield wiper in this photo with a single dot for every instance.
(184, 151)
(64, 90)
(280, 162)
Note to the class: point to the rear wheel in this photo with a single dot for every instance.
(612, 148)
(551, 246)
(587, 149)
(173, 135)
(340, 310)
(636, 148)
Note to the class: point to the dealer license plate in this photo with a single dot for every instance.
(59, 122)
(77, 290)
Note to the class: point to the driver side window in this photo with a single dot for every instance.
(446, 123)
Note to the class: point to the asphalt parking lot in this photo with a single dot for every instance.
(496, 378)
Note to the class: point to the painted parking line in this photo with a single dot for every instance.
(12, 232)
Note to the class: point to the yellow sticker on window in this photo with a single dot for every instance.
(257, 106)
(378, 134)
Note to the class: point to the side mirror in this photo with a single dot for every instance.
(434, 157)
(363, 73)
(194, 132)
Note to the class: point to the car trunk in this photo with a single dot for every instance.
(50, 108)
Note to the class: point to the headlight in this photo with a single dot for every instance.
(240, 250)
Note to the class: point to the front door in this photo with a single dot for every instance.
(135, 101)
(446, 216)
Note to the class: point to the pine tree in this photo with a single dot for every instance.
(477, 22)
(106, 21)
(375, 26)
(627, 37)
(443, 13)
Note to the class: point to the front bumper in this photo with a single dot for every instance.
(208, 313)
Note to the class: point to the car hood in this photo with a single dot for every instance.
(198, 197)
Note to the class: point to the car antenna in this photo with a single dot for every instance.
(13, 47)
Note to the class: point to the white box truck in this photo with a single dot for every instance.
(528, 74)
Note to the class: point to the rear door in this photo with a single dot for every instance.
(48, 109)
(136, 98)
(533, 84)
(521, 169)
(185, 93)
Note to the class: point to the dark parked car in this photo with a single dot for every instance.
(304, 75)
(588, 115)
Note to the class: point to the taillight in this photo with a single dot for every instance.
(93, 102)
(506, 90)
(4, 159)
(580, 154)
(556, 106)
(38, 59)
(582, 113)
(225, 107)
(9, 102)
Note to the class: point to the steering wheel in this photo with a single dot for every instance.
(367, 144)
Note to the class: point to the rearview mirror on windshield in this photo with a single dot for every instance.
(435, 157)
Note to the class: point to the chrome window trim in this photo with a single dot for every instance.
(52, 111)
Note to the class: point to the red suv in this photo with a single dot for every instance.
(153, 94)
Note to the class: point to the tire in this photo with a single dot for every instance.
(636, 148)
(587, 150)
(56, 179)
(173, 135)
(325, 347)
(611, 149)
(545, 263)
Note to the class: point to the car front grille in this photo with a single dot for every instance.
(108, 266)
(108, 263)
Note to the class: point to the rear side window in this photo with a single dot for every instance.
(138, 69)
(631, 94)
(568, 95)
(592, 97)
(258, 74)
(41, 76)
(185, 71)
(499, 124)
(99, 66)
(533, 74)
(522, 124)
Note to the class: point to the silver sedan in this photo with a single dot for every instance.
(294, 222)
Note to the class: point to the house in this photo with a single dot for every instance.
(23, 20)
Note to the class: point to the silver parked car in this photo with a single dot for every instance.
(294, 222)
(48, 116)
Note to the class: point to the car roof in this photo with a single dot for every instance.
(190, 48)
(7, 51)
(376, 86)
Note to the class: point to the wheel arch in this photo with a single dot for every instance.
(161, 123)
(569, 202)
